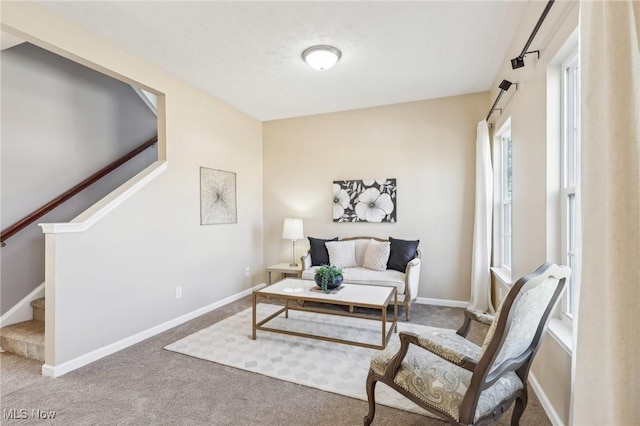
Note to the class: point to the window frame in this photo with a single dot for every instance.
(504, 202)
(570, 181)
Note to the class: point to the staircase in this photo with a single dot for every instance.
(26, 338)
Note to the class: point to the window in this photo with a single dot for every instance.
(503, 138)
(563, 180)
(570, 176)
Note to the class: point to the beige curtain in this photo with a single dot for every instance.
(481, 254)
(606, 374)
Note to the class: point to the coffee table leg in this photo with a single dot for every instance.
(253, 325)
(395, 308)
(286, 308)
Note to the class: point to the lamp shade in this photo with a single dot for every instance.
(292, 229)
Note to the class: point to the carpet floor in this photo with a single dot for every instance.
(145, 384)
(337, 368)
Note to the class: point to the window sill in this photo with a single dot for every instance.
(561, 333)
(503, 275)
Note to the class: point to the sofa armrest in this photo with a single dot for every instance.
(305, 261)
(412, 279)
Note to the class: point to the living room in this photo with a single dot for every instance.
(285, 168)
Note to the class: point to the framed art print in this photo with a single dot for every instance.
(365, 200)
(217, 197)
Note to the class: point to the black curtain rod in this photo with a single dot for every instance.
(536, 28)
(518, 61)
(504, 86)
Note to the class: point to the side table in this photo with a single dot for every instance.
(285, 270)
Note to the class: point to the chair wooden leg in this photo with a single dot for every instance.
(407, 312)
(518, 409)
(371, 396)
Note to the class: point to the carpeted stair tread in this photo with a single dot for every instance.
(24, 338)
(27, 331)
(38, 303)
(38, 309)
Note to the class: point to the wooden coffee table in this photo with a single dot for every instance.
(352, 295)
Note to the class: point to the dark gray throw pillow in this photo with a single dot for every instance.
(319, 254)
(402, 251)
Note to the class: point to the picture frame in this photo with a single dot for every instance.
(365, 200)
(218, 204)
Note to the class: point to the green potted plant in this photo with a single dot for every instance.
(328, 277)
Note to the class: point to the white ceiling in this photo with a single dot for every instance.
(249, 53)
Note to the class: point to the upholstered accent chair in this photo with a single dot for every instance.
(461, 382)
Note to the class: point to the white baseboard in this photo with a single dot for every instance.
(22, 310)
(544, 401)
(442, 302)
(82, 360)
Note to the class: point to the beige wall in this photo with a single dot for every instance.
(552, 370)
(69, 103)
(119, 277)
(534, 210)
(427, 146)
(154, 242)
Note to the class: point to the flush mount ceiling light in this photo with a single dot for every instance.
(321, 57)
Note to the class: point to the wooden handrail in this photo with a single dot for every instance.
(27, 220)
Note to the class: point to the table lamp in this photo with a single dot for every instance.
(292, 230)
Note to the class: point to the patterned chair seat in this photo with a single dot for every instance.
(441, 384)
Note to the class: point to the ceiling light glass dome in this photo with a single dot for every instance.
(321, 57)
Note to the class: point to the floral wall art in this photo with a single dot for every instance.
(365, 200)
(217, 197)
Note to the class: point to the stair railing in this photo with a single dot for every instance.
(29, 219)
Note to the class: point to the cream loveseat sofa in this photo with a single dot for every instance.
(403, 256)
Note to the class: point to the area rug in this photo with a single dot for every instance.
(331, 367)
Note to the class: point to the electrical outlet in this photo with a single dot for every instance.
(247, 271)
(178, 292)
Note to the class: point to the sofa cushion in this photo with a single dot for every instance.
(362, 275)
(361, 249)
(377, 255)
(342, 254)
(402, 251)
(319, 254)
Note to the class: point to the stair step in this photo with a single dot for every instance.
(24, 338)
(38, 309)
